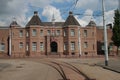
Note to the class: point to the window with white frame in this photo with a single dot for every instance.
(27, 46)
(58, 32)
(27, 33)
(41, 32)
(21, 45)
(65, 46)
(110, 46)
(2, 47)
(119, 48)
(72, 46)
(48, 32)
(34, 32)
(85, 33)
(34, 46)
(72, 32)
(65, 32)
(85, 44)
(41, 46)
(21, 33)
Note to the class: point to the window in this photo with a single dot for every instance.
(27, 46)
(110, 46)
(48, 32)
(85, 44)
(41, 46)
(103, 47)
(72, 46)
(34, 46)
(58, 32)
(93, 47)
(65, 46)
(27, 33)
(13, 34)
(119, 48)
(12, 47)
(2, 47)
(34, 32)
(41, 32)
(92, 33)
(72, 32)
(21, 33)
(21, 45)
(85, 33)
(64, 32)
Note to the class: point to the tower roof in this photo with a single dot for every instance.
(91, 23)
(71, 20)
(14, 24)
(35, 20)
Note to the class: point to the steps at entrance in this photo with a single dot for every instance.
(54, 55)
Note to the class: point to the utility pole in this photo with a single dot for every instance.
(105, 35)
(119, 5)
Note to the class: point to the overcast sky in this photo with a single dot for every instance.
(23, 10)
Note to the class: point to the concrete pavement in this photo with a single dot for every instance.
(16, 69)
(26, 69)
(93, 71)
(114, 65)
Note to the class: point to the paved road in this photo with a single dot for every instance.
(66, 70)
(26, 70)
(31, 69)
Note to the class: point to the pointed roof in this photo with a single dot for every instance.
(14, 24)
(91, 23)
(71, 20)
(35, 20)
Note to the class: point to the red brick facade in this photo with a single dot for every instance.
(52, 38)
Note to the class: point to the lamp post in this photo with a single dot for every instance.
(105, 35)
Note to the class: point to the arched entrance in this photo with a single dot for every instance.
(54, 46)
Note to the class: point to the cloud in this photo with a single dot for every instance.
(40, 3)
(13, 8)
(109, 18)
(84, 4)
(20, 9)
(97, 4)
(49, 11)
(87, 16)
(98, 19)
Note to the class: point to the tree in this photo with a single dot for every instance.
(116, 30)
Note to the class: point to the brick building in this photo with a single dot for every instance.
(39, 38)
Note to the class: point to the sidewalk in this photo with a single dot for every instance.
(93, 71)
(113, 65)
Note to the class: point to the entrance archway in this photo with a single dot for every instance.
(54, 46)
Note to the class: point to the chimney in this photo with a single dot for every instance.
(70, 13)
(35, 13)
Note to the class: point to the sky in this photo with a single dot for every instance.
(83, 10)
